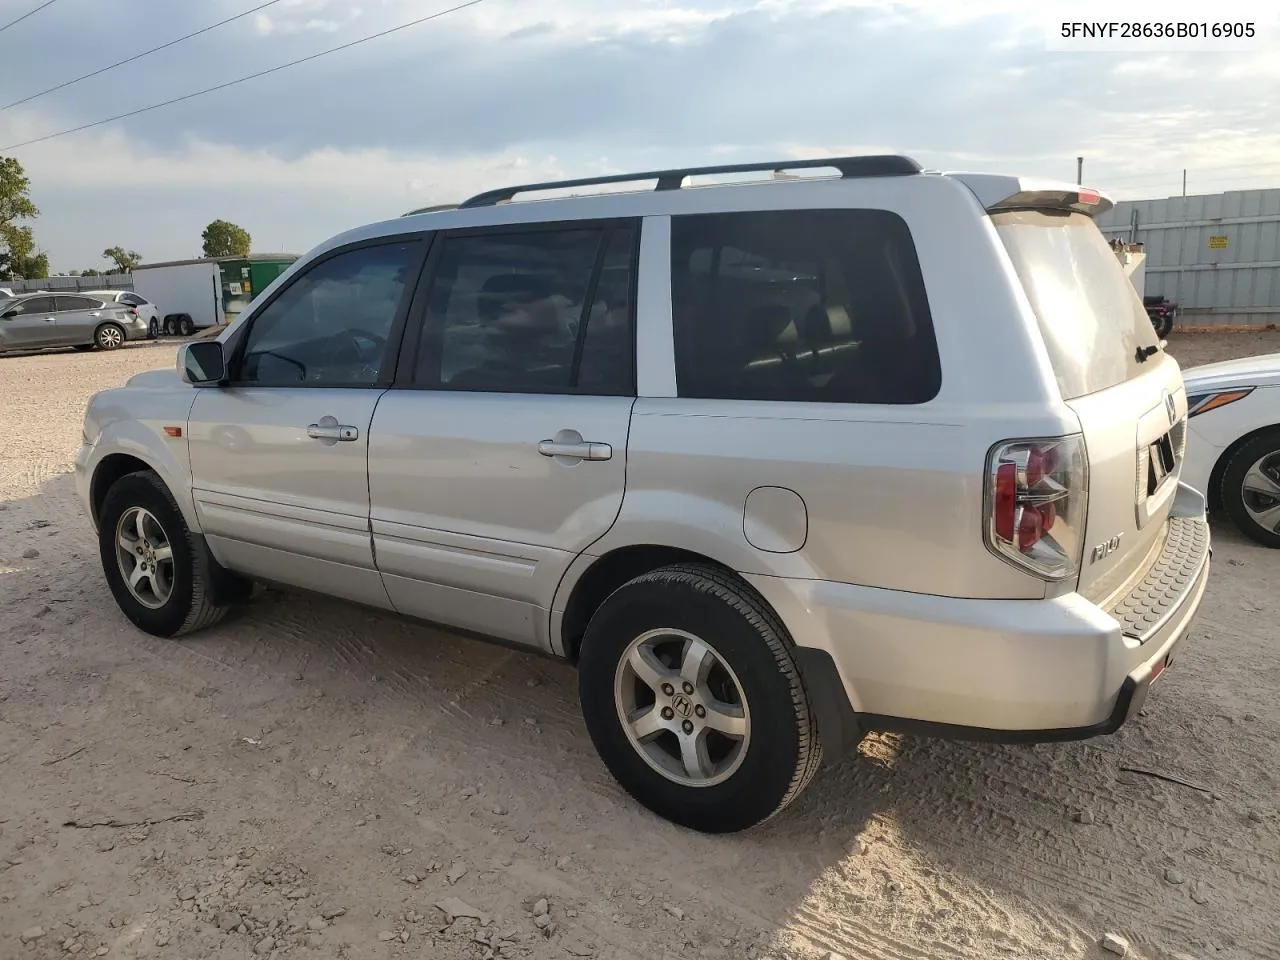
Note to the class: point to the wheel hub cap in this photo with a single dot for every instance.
(1261, 493)
(145, 557)
(682, 707)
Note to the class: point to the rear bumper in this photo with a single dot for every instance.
(136, 329)
(1015, 671)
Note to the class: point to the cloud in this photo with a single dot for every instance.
(434, 112)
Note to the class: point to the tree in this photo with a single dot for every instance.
(125, 260)
(91, 272)
(224, 239)
(19, 258)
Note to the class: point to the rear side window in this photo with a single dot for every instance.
(133, 300)
(77, 303)
(822, 306)
(1091, 318)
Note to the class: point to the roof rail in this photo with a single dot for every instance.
(433, 209)
(887, 165)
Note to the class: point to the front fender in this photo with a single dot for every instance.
(143, 440)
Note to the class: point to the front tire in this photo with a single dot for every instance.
(163, 579)
(694, 701)
(109, 336)
(1251, 489)
(153, 329)
(1164, 326)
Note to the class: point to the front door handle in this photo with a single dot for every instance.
(576, 450)
(329, 430)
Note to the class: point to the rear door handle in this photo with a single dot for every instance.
(332, 431)
(581, 450)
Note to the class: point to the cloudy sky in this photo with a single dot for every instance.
(516, 90)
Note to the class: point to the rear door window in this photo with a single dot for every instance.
(823, 306)
(66, 304)
(1091, 317)
(545, 310)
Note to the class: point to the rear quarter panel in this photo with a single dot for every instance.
(893, 494)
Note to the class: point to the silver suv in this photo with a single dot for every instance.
(773, 463)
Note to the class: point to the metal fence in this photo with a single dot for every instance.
(1216, 256)
(114, 281)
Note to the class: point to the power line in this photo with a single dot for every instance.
(27, 14)
(251, 76)
(137, 56)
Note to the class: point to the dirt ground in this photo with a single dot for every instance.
(315, 780)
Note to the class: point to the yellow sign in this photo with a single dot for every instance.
(1218, 243)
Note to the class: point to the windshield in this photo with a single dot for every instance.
(1091, 317)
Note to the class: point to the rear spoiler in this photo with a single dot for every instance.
(999, 193)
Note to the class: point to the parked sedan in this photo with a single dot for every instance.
(147, 310)
(1233, 451)
(39, 320)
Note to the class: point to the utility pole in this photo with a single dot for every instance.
(1184, 183)
(1079, 170)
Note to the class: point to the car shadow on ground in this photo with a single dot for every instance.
(907, 848)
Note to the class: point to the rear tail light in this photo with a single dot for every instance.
(1037, 492)
(133, 311)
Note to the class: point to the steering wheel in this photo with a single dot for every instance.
(349, 351)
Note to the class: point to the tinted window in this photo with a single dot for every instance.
(544, 311)
(77, 303)
(331, 325)
(132, 299)
(35, 305)
(1091, 317)
(803, 305)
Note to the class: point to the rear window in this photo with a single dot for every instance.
(822, 306)
(1091, 318)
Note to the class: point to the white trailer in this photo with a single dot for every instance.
(187, 293)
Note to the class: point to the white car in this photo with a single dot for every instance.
(144, 309)
(1233, 453)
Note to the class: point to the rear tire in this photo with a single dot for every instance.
(109, 336)
(185, 326)
(1251, 488)
(153, 329)
(181, 588)
(1164, 327)
(667, 748)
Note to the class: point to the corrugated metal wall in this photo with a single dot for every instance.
(1216, 256)
(114, 281)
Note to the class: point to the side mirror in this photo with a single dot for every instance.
(202, 363)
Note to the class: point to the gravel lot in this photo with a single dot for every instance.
(314, 780)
